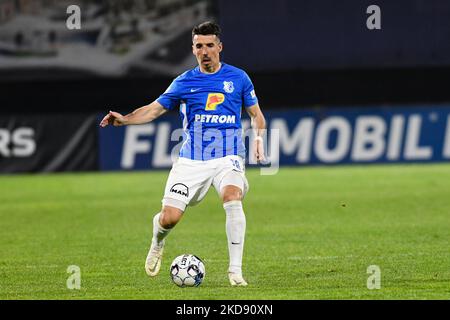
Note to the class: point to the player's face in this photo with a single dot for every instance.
(207, 51)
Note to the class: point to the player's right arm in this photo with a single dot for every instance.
(141, 115)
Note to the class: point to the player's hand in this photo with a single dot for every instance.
(258, 147)
(113, 118)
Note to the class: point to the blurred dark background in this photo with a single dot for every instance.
(298, 53)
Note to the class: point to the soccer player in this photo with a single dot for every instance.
(210, 98)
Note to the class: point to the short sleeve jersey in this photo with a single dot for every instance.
(210, 108)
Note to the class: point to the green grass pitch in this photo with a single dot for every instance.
(312, 232)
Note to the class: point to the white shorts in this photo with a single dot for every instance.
(189, 180)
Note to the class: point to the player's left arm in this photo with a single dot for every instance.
(258, 123)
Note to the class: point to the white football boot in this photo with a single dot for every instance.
(237, 280)
(153, 261)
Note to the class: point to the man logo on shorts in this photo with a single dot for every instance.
(181, 189)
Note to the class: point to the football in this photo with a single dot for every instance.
(187, 270)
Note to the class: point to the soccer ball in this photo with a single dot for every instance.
(187, 270)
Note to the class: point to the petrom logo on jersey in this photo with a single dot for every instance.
(214, 99)
(215, 118)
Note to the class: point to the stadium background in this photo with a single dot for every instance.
(311, 56)
(338, 93)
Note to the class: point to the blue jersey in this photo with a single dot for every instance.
(210, 108)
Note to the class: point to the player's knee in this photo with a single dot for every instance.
(169, 217)
(231, 193)
(233, 186)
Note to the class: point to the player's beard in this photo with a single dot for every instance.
(208, 65)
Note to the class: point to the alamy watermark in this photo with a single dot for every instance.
(374, 20)
(74, 20)
(201, 144)
(374, 280)
(74, 280)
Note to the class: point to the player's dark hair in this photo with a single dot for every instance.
(207, 28)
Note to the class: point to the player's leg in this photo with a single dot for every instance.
(186, 185)
(163, 222)
(232, 187)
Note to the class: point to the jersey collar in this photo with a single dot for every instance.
(210, 74)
